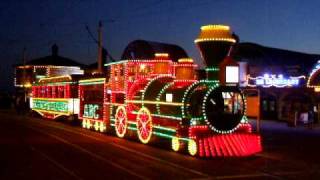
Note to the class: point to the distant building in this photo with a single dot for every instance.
(32, 71)
(48, 66)
(142, 49)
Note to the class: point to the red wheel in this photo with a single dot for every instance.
(144, 125)
(121, 121)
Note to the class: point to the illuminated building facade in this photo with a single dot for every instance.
(280, 77)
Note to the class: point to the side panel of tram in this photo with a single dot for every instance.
(92, 96)
(54, 97)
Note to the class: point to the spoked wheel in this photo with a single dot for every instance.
(144, 125)
(121, 121)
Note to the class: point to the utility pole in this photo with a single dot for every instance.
(100, 63)
(100, 47)
(24, 64)
(24, 74)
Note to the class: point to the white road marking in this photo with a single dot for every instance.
(59, 165)
(268, 156)
(241, 176)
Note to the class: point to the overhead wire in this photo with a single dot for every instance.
(140, 12)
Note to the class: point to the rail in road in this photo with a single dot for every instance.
(82, 154)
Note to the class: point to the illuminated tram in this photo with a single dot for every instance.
(165, 99)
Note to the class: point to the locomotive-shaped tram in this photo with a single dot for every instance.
(159, 98)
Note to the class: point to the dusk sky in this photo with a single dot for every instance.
(37, 24)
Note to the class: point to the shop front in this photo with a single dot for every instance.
(279, 97)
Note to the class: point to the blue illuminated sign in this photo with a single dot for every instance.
(274, 80)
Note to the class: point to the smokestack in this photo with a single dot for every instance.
(214, 43)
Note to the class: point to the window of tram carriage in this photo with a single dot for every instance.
(232, 102)
(46, 91)
(107, 97)
(38, 91)
(42, 91)
(93, 98)
(131, 72)
(49, 93)
(61, 92)
(74, 91)
(93, 94)
(144, 69)
(54, 91)
(119, 98)
(121, 71)
(34, 91)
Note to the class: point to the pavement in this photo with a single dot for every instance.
(299, 144)
(33, 148)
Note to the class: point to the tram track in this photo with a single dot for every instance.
(203, 175)
(85, 151)
(56, 163)
(66, 130)
(103, 140)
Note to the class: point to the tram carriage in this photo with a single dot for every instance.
(166, 99)
(56, 96)
(92, 97)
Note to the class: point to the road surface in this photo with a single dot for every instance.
(33, 148)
